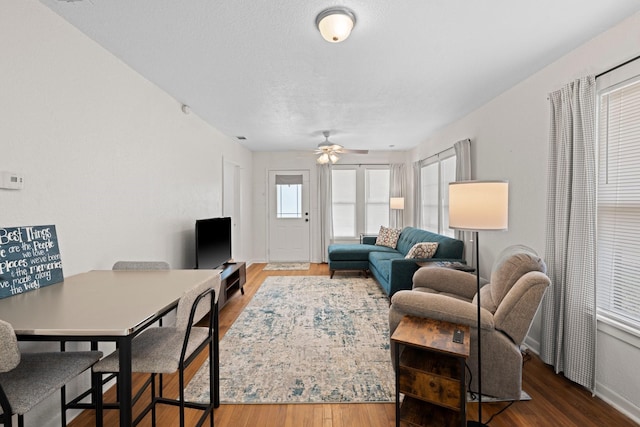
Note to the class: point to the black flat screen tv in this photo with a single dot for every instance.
(213, 242)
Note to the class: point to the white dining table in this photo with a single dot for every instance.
(105, 306)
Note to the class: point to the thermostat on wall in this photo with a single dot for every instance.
(11, 180)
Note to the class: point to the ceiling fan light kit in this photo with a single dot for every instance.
(328, 151)
(328, 157)
(335, 23)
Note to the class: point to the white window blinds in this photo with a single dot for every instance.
(618, 244)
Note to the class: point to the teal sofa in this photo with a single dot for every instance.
(389, 266)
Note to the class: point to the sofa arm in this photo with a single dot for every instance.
(401, 274)
(369, 240)
(441, 307)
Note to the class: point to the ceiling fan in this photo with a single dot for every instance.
(328, 151)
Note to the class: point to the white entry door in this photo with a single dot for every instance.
(289, 216)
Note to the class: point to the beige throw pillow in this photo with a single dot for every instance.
(422, 250)
(388, 237)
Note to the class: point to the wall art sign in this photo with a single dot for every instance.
(29, 259)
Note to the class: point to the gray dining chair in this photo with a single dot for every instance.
(27, 379)
(165, 350)
(141, 265)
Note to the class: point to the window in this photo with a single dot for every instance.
(618, 201)
(360, 196)
(343, 193)
(376, 211)
(289, 196)
(435, 175)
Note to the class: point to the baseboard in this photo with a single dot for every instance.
(603, 392)
(532, 345)
(619, 402)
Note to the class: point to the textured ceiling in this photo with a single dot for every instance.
(260, 68)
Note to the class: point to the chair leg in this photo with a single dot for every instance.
(96, 384)
(63, 406)
(181, 385)
(212, 397)
(216, 357)
(153, 398)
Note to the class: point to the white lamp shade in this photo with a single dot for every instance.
(479, 205)
(396, 202)
(335, 24)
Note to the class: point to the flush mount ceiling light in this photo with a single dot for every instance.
(335, 24)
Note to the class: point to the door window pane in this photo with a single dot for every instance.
(289, 201)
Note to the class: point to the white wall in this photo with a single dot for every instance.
(509, 141)
(263, 162)
(107, 157)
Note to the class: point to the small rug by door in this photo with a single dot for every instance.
(306, 339)
(286, 266)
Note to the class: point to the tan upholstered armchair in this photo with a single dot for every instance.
(509, 302)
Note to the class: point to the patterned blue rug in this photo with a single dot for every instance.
(306, 339)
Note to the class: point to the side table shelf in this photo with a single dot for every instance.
(232, 279)
(430, 373)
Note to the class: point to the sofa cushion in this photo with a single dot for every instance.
(381, 261)
(388, 237)
(422, 250)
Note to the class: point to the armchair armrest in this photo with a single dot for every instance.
(439, 307)
(446, 280)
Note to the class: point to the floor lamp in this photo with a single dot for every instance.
(397, 203)
(478, 206)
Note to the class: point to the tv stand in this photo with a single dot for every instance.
(232, 278)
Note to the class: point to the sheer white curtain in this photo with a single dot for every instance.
(324, 209)
(463, 173)
(397, 180)
(568, 309)
(417, 194)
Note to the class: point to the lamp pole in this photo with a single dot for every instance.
(474, 206)
(478, 423)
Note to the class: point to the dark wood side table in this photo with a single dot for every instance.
(430, 373)
(232, 279)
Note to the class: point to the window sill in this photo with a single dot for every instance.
(618, 330)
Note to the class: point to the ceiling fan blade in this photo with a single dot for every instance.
(354, 151)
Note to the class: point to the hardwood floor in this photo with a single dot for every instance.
(555, 400)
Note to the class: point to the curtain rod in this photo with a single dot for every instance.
(362, 164)
(442, 152)
(617, 66)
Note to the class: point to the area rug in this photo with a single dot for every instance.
(306, 339)
(286, 266)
